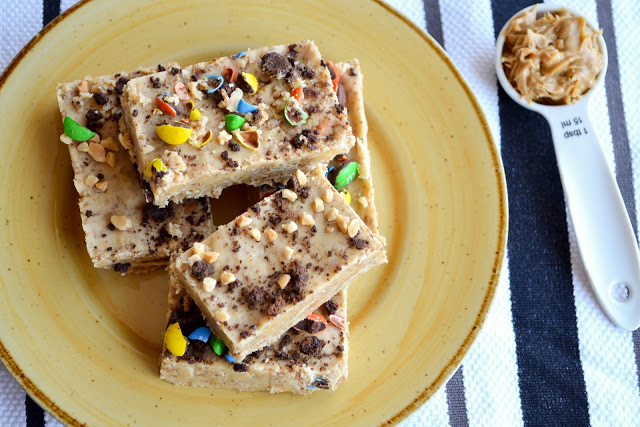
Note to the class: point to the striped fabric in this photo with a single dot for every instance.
(547, 354)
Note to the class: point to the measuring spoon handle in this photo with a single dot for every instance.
(604, 233)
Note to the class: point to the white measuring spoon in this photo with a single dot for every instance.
(605, 236)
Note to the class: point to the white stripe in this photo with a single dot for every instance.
(50, 421)
(412, 9)
(24, 15)
(433, 413)
(12, 398)
(606, 352)
(491, 371)
(66, 4)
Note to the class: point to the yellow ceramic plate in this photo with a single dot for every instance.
(85, 342)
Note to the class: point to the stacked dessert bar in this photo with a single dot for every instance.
(261, 302)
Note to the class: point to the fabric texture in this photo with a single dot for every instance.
(547, 355)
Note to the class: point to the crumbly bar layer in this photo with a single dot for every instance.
(122, 230)
(261, 274)
(252, 92)
(299, 362)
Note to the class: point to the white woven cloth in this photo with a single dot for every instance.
(595, 376)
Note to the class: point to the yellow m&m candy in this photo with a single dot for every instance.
(174, 340)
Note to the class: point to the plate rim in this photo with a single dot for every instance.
(63, 416)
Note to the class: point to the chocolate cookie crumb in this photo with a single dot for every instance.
(201, 269)
(312, 346)
(359, 243)
(156, 213)
(276, 64)
(240, 367)
(275, 307)
(331, 307)
(100, 98)
(120, 85)
(318, 383)
(311, 326)
(121, 267)
(286, 339)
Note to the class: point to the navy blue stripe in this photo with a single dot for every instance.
(552, 387)
(50, 9)
(456, 400)
(35, 414)
(434, 20)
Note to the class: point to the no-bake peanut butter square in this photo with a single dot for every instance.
(265, 271)
(299, 362)
(122, 230)
(251, 118)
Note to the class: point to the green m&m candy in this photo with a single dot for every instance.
(345, 174)
(233, 122)
(75, 131)
(217, 345)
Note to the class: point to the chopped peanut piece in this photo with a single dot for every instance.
(102, 186)
(290, 227)
(224, 137)
(331, 214)
(147, 148)
(121, 222)
(95, 138)
(327, 196)
(343, 222)
(111, 159)
(198, 248)
(353, 228)
(83, 86)
(363, 201)
(287, 252)
(91, 180)
(255, 234)
(243, 221)
(283, 281)
(109, 144)
(125, 140)
(306, 219)
(194, 258)
(317, 205)
(210, 256)
(66, 139)
(271, 234)
(83, 147)
(289, 195)
(301, 177)
(174, 230)
(97, 152)
(221, 316)
(226, 278)
(208, 284)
